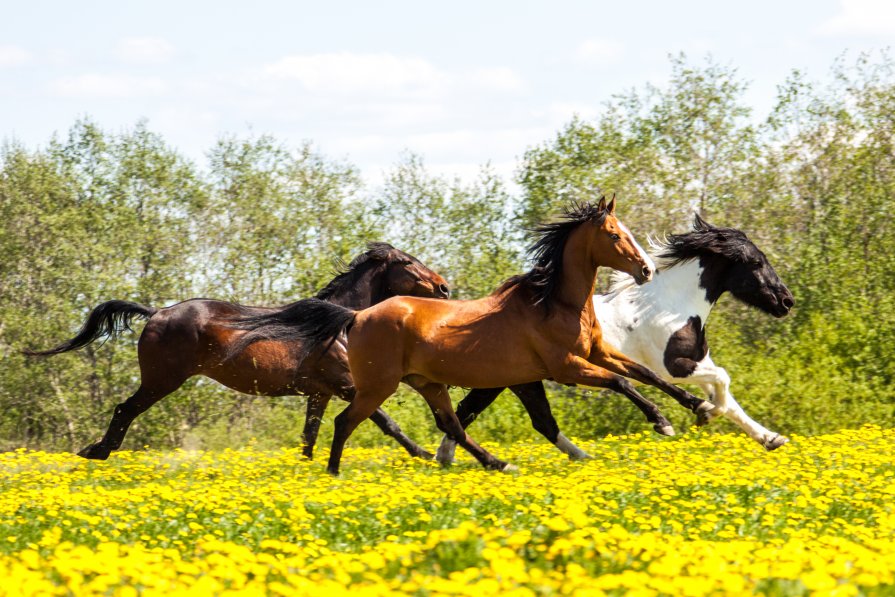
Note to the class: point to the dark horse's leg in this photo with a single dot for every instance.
(477, 400)
(316, 408)
(123, 415)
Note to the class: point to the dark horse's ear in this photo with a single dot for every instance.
(700, 224)
(611, 206)
(601, 206)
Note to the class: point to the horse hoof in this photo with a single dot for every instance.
(580, 456)
(509, 468)
(704, 413)
(424, 455)
(775, 442)
(445, 453)
(94, 452)
(664, 430)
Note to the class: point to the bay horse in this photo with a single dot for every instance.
(195, 337)
(536, 325)
(662, 325)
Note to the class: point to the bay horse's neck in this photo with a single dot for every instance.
(678, 289)
(579, 271)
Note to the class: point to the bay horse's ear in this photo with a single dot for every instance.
(601, 206)
(611, 206)
(700, 224)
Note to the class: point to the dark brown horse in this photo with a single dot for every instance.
(196, 337)
(535, 326)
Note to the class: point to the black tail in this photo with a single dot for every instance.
(106, 320)
(310, 321)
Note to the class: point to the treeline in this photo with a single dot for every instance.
(97, 215)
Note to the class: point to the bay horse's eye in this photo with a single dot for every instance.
(615, 237)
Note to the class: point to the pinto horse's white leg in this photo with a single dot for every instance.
(725, 404)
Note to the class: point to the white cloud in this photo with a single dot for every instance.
(496, 79)
(145, 50)
(599, 52)
(861, 17)
(350, 73)
(13, 56)
(108, 86)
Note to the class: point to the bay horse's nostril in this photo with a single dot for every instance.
(444, 290)
(647, 272)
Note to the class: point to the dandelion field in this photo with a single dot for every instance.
(692, 515)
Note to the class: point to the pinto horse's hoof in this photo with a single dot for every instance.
(775, 442)
(704, 413)
(95, 452)
(664, 430)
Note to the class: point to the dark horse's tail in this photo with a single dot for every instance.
(107, 319)
(311, 322)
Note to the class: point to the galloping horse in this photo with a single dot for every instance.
(535, 326)
(662, 325)
(195, 338)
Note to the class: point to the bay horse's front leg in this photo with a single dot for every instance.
(613, 360)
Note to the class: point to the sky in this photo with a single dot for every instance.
(461, 83)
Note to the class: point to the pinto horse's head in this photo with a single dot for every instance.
(614, 246)
(732, 263)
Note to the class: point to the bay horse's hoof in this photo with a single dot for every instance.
(509, 468)
(95, 452)
(580, 455)
(423, 454)
(664, 430)
(775, 442)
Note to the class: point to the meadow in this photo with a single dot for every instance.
(698, 514)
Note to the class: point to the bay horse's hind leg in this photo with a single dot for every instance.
(440, 404)
(391, 429)
(359, 409)
(534, 399)
(122, 417)
(468, 410)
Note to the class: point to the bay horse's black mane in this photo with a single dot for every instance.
(705, 238)
(546, 252)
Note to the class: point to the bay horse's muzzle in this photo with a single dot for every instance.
(644, 275)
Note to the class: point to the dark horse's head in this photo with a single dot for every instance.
(730, 263)
(382, 271)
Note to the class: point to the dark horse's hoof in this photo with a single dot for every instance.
(95, 452)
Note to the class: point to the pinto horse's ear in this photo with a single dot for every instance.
(700, 224)
(601, 206)
(611, 206)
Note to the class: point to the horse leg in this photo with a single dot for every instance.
(361, 407)
(468, 410)
(391, 429)
(727, 406)
(439, 401)
(313, 416)
(534, 399)
(122, 417)
(613, 360)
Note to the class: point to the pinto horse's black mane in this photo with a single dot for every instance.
(705, 238)
(546, 252)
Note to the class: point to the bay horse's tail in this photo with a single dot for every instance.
(106, 320)
(311, 322)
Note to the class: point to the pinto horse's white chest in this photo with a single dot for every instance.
(640, 320)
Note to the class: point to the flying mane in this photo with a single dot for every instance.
(377, 251)
(546, 252)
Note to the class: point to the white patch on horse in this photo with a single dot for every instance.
(567, 447)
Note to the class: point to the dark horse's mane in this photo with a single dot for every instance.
(546, 252)
(704, 238)
(345, 273)
(279, 324)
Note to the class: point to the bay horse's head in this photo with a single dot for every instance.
(382, 272)
(614, 246)
(731, 263)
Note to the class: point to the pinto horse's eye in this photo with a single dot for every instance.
(615, 237)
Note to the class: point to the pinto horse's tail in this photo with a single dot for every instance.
(106, 320)
(311, 322)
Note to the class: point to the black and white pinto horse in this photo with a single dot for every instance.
(662, 325)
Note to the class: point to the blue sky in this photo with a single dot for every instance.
(461, 83)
